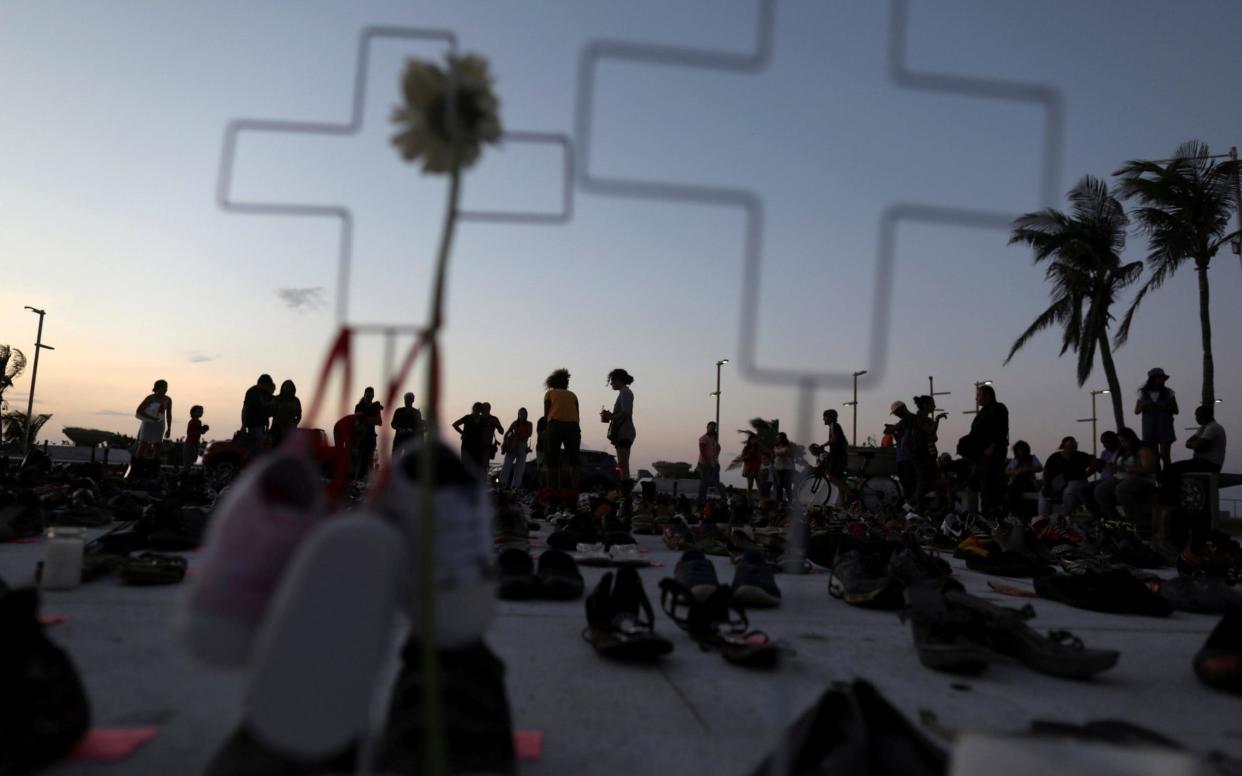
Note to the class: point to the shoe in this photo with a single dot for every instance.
(581, 528)
(558, 577)
(243, 754)
(719, 623)
(43, 708)
(946, 639)
(271, 507)
(1059, 653)
(1219, 663)
(152, 568)
(860, 577)
(753, 584)
(463, 570)
(516, 573)
(474, 715)
(697, 574)
(911, 565)
(1115, 591)
(619, 619)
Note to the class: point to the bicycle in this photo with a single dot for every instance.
(877, 490)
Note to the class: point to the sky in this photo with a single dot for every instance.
(110, 145)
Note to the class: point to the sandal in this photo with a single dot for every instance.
(713, 625)
(1059, 653)
(151, 568)
(620, 619)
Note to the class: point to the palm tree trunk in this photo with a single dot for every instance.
(1205, 324)
(1114, 387)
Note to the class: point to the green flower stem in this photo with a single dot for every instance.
(433, 702)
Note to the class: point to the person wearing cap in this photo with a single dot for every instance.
(1157, 403)
(905, 467)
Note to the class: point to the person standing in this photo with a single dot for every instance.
(986, 444)
(921, 449)
(516, 446)
(491, 427)
(620, 422)
(560, 407)
(194, 431)
(256, 411)
(468, 427)
(783, 463)
(407, 423)
(155, 412)
(752, 460)
(286, 411)
(709, 462)
(838, 457)
(1157, 403)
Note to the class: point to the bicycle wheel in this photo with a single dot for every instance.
(813, 490)
(880, 494)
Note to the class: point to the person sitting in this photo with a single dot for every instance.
(1065, 475)
(1208, 446)
(1021, 473)
(1112, 445)
(951, 476)
(1133, 483)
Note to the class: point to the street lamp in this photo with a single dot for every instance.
(978, 383)
(1094, 437)
(34, 375)
(854, 404)
(716, 393)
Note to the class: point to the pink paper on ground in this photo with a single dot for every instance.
(27, 540)
(52, 619)
(109, 744)
(528, 744)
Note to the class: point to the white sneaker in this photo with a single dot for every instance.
(464, 574)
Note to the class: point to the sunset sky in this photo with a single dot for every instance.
(110, 142)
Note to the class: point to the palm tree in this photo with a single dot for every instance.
(1083, 249)
(13, 425)
(1184, 208)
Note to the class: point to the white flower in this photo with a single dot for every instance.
(422, 118)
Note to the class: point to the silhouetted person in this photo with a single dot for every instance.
(155, 412)
(1208, 445)
(470, 427)
(194, 431)
(1157, 403)
(621, 431)
(986, 444)
(369, 417)
(516, 447)
(709, 462)
(256, 411)
(286, 411)
(491, 427)
(407, 423)
(1021, 473)
(563, 437)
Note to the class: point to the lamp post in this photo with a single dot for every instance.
(854, 404)
(716, 393)
(34, 375)
(1094, 437)
(978, 384)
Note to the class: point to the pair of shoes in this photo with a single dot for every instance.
(620, 621)
(557, 578)
(718, 622)
(753, 583)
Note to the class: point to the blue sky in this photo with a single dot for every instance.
(110, 142)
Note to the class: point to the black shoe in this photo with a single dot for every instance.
(719, 623)
(946, 639)
(1219, 662)
(860, 578)
(558, 577)
(619, 619)
(477, 723)
(581, 529)
(854, 730)
(753, 583)
(697, 574)
(1115, 591)
(516, 575)
(43, 708)
(1059, 653)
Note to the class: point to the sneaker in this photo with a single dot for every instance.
(271, 508)
(464, 576)
(753, 583)
(697, 574)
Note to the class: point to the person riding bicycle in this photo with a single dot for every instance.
(837, 448)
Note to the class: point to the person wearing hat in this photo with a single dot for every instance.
(906, 474)
(1158, 404)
